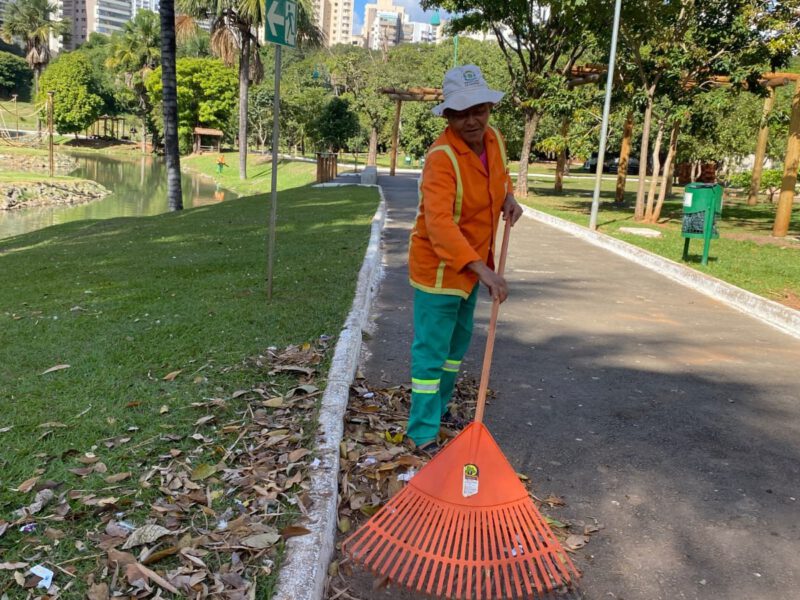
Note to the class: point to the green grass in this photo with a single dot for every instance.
(745, 255)
(126, 301)
(23, 177)
(259, 172)
(26, 111)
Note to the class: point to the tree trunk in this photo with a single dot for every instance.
(761, 149)
(561, 165)
(624, 156)
(372, 157)
(638, 213)
(531, 123)
(170, 102)
(144, 136)
(244, 88)
(783, 213)
(662, 193)
(651, 192)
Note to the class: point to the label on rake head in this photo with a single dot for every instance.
(469, 486)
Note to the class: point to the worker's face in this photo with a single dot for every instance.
(470, 124)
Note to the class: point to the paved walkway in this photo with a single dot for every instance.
(668, 418)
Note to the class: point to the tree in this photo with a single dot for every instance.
(15, 76)
(420, 129)
(546, 39)
(30, 21)
(135, 52)
(206, 92)
(77, 103)
(336, 124)
(169, 86)
(233, 38)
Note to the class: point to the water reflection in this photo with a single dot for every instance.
(138, 186)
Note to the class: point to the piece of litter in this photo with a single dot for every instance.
(46, 575)
(28, 528)
(406, 476)
(222, 525)
(368, 395)
(370, 460)
(315, 463)
(702, 582)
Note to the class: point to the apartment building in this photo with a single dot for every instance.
(137, 5)
(100, 16)
(335, 19)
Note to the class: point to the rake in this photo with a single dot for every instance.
(465, 526)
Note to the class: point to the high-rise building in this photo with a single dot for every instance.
(137, 5)
(90, 16)
(335, 19)
(386, 25)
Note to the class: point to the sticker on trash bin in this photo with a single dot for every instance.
(687, 199)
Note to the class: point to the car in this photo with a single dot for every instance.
(611, 164)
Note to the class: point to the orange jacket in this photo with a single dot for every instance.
(459, 207)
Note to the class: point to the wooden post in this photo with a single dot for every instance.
(395, 135)
(624, 156)
(790, 164)
(562, 156)
(50, 130)
(761, 148)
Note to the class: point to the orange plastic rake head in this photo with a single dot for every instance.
(464, 527)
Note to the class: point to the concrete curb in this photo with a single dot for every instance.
(302, 576)
(772, 313)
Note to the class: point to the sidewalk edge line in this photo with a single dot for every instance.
(303, 575)
(782, 318)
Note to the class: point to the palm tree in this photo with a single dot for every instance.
(233, 37)
(135, 52)
(170, 104)
(30, 21)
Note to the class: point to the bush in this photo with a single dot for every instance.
(77, 103)
(16, 77)
(739, 180)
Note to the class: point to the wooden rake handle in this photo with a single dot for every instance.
(487, 355)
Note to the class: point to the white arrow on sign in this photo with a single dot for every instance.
(273, 18)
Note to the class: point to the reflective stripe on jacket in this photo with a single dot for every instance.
(459, 207)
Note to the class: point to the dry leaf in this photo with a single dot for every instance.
(202, 471)
(10, 566)
(574, 542)
(171, 376)
(118, 477)
(275, 402)
(27, 485)
(294, 531)
(50, 424)
(296, 455)
(147, 534)
(163, 410)
(6, 429)
(97, 591)
(56, 368)
(261, 540)
(204, 420)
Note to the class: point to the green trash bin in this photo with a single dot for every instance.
(702, 202)
(407, 160)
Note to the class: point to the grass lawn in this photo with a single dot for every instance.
(9, 112)
(23, 177)
(127, 303)
(746, 254)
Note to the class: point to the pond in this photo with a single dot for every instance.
(138, 186)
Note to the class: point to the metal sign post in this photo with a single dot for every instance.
(601, 155)
(281, 30)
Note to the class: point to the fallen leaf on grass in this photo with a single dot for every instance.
(39, 502)
(204, 420)
(118, 477)
(296, 455)
(27, 485)
(203, 471)
(6, 429)
(163, 410)
(52, 424)
(11, 566)
(146, 534)
(261, 540)
(97, 591)
(55, 368)
(275, 402)
(171, 376)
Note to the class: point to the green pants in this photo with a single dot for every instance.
(442, 331)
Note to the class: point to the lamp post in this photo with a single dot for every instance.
(16, 111)
(604, 127)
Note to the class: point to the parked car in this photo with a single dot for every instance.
(611, 164)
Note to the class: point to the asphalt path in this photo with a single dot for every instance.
(668, 419)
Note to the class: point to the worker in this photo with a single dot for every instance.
(464, 188)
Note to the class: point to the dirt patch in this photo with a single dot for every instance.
(102, 144)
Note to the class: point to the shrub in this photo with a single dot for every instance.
(16, 77)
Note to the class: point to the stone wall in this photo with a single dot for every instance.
(38, 163)
(49, 193)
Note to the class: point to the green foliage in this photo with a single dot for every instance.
(420, 128)
(16, 77)
(32, 23)
(336, 124)
(207, 95)
(77, 102)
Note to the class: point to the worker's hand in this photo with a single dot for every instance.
(498, 288)
(511, 209)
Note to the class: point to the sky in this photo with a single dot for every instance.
(412, 7)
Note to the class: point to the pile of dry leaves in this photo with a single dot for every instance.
(213, 527)
(377, 461)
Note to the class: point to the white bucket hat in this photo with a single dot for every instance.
(463, 87)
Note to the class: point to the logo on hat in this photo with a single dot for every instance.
(471, 78)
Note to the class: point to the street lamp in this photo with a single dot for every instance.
(16, 111)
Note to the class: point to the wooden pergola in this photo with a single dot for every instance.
(117, 126)
(200, 132)
(399, 95)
